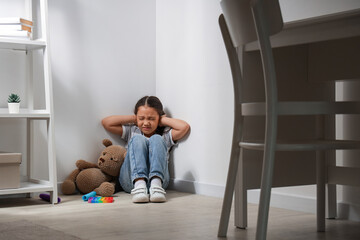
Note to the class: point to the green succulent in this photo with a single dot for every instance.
(14, 98)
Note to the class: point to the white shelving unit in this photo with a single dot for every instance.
(41, 42)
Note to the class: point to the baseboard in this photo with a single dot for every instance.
(197, 188)
(280, 200)
(286, 201)
(349, 211)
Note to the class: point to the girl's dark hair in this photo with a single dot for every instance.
(150, 101)
(154, 102)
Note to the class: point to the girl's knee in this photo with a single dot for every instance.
(156, 141)
(156, 138)
(138, 139)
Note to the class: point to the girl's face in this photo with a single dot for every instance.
(147, 119)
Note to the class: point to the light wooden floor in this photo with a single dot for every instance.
(183, 216)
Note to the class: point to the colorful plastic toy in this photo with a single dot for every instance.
(89, 195)
(46, 197)
(100, 200)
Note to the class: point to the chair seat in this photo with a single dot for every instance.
(302, 108)
(303, 145)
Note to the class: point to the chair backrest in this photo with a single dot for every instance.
(239, 19)
(250, 20)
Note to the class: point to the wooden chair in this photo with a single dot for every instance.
(245, 21)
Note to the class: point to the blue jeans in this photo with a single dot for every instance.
(145, 158)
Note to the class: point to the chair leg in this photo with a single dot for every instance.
(237, 131)
(330, 156)
(265, 193)
(320, 190)
(321, 123)
(229, 190)
(240, 196)
(241, 208)
(331, 201)
(331, 188)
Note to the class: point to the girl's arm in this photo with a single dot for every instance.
(179, 127)
(114, 123)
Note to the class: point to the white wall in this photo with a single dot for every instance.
(193, 80)
(103, 61)
(293, 10)
(349, 207)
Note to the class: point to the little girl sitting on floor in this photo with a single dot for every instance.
(149, 135)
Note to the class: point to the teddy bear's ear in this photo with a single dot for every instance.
(107, 142)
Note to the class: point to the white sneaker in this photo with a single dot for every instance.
(140, 195)
(157, 194)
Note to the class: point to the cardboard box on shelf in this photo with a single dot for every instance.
(10, 170)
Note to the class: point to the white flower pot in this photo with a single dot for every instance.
(14, 107)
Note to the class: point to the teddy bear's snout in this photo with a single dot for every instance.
(102, 160)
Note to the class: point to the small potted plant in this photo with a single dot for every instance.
(14, 103)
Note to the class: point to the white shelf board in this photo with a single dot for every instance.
(28, 187)
(21, 44)
(24, 113)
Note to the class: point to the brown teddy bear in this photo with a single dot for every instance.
(100, 177)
